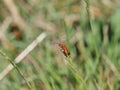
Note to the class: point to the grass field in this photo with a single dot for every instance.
(90, 29)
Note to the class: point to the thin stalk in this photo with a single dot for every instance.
(76, 72)
(91, 26)
(17, 68)
(88, 12)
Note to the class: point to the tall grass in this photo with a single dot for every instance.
(94, 60)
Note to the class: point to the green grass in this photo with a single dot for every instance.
(94, 64)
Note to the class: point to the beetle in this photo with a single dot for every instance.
(64, 49)
(14, 30)
(17, 34)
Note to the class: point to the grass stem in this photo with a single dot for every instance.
(17, 68)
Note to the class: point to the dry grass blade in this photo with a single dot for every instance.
(23, 54)
(15, 14)
(112, 66)
(6, 23)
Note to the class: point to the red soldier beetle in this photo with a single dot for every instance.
(64, 49)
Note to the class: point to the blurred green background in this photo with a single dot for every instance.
(90, 30)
